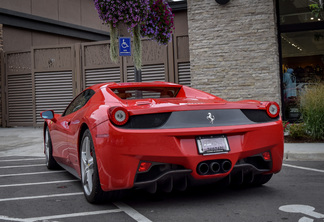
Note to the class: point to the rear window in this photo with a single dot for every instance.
(146, 92)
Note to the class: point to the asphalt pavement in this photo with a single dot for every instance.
(29, 192)
(28, 141)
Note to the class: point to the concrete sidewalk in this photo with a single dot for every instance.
(28, 141)
(304, 151)
(21, 141)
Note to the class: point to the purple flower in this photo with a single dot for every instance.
(154, 16)
(131, 12)
(159, 24)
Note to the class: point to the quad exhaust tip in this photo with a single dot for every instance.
(203, 168)
(226, 166)
(215, 167)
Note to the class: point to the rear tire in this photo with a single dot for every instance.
(48, 148)
(89, 173)
(260, 179)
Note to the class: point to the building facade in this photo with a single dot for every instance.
(53, 49)
(234, 49)
(244, 49)
(25, 24)
(301, 36)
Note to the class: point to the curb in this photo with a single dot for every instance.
(304, 156)
(304, 151)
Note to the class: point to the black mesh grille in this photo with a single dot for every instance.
(146, 121)
(258, 116)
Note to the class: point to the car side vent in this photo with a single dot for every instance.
(146, 121)
(258, 116)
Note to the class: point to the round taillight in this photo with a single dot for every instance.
(273, 109)
(118, 115)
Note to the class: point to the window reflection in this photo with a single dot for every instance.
(302, 52)
(303, 65)
(298, 11)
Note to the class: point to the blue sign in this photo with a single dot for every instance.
(124, 46)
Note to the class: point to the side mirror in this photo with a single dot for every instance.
(48, 114)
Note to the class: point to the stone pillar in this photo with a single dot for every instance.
(234, 49)
(1, 51)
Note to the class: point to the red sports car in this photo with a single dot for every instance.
(158, 135)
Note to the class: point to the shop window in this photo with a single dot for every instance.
(299, 11)
(302, 53)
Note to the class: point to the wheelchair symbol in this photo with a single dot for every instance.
(303, 209)
(124, 44)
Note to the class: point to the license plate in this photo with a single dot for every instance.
(212, 144)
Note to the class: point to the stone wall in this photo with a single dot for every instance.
(1, 50)
(234, 49)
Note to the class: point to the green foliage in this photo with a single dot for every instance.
(286, 126)
(314, 6)
(316, 9)
(137, 57)
(297, 130)
(312, 109)
(114, 43)
(155, 17)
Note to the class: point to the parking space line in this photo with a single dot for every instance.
(39, 183)
(303, 168)
(62, 216)
(21, 166)
(131, 212)
(122, 207)
(42, 196)
(13, 160)
(35, 173)
(2, 217)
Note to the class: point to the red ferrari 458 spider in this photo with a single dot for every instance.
(158, 135)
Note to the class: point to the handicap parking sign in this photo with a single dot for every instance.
(124, 46)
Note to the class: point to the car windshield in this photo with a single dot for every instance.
(146, 92)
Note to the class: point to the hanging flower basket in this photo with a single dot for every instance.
(130, 12)
(146, 18)
(159, 24)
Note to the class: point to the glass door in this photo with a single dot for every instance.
(302, 52)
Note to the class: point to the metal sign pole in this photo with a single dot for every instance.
(138, 75)
(138, 78)
(125, 50)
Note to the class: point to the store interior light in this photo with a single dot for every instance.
(292, 44)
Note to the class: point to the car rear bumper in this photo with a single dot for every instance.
(120, 151)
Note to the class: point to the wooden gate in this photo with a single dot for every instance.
(18, 93)
(54, 79)
(98, 67)
(49, 77)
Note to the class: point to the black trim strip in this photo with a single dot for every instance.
(178, 6)
(198, 118)
(310, 26)
(37, 23)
